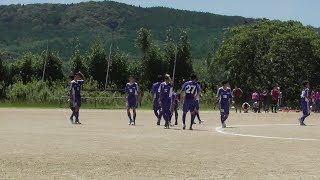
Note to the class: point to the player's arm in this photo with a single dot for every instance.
(183, 93)
(160, 94)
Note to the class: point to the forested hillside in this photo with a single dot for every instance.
(29, 27)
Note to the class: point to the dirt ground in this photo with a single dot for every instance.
(42, 144)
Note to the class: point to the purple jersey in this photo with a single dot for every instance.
(132, 90)
(155, 91)
(224, 96)
(164, 92)
(305, 95)
(191, 90)
(76, 88)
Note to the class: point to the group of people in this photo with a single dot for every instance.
(166, 101)
(259, 100)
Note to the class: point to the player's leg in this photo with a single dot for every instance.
(129, 115)
(134, 116)
(185, 111)
(305, 113)
(77, 105)
(193, 114)
(176, 115)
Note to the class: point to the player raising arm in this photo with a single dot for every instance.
(224, 96)
(76, 85)
(189, 92)
(132, 91)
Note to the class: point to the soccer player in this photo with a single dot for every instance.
(175, 98)
(255, 101)
(156, 106)
(190, 91)
(237, 95)
(197, 108)
(76, 85)
(165, 99)
(224, 96)
(305, 99)
(132, 91)
(275, 96)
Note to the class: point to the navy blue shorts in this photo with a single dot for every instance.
(224, 109)
(189, 106)
(76, 102)
(305, 108)
(131, 103)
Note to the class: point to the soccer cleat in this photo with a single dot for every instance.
(303, 124)
(158, 123)
(77, 122)
(176, 123)
(71, 120)
(129, 123)
(184, 127)
(190, 128)
(194, 122)
(300, 121)
(201, 121)
(224, 125)
(133, 123)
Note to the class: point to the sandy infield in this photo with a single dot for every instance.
(42, 144)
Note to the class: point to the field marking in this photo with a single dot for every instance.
(220, 130)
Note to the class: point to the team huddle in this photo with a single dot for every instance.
(166, 101)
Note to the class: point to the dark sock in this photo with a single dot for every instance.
(193, 116)
(176, 116)
(72, 114)
(129, 116)
(222, 118)
(156, 113)
(77, 116)
(184, 118)
(198, 116)
(134, 117)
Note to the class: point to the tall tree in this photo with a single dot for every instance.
(119, 68)
(270, 53)
(184, 62)
(98, 64)
(77, 62)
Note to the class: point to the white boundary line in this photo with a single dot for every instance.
(220, 130)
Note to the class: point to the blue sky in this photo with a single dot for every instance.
(306, 11)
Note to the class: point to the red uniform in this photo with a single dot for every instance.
(275, 95)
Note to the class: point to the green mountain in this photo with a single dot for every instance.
(29, 27)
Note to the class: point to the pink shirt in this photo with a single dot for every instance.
(318, 96)
(255, 96)
(313, 95)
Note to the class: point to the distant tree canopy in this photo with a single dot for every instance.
(105, 21)
(271, 53)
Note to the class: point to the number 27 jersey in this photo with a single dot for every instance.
(191, 90)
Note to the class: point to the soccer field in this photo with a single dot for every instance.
(42, 144)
